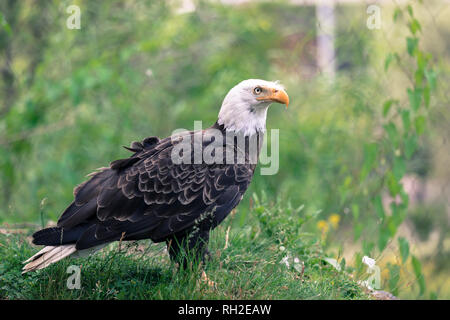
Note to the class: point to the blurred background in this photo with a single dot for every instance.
(70, 98)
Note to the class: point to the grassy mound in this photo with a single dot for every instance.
(245, 265)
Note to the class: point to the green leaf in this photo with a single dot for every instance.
(370, 155)
(419, 76)
(394, 277)
(378, 204)
(414, 26)
(383, 238)
(387, 106)
(411, 45)
(4, 24)
(415, 98)
(430, 74)
(392, 132)
(426, 96)
(404, 248)
(421, 61)
(410, 146)
(405, 200)
(388, 61)
(410, 10)
(417, 267)
(393, 185)
(392, 225)
(422, 286)
(406, 120)
(397, 13)
(399, 167)
(419, 123)
(398, 215)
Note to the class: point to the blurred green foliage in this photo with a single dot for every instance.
(139, 70)
(71, 98)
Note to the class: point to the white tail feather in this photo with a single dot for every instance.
(52, 254)
(47, 256)
(44, 250)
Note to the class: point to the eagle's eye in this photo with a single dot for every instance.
(257, 90)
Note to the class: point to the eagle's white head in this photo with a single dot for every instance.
(244, 108)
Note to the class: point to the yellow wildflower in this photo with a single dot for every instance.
(334, 220)
(322, 225)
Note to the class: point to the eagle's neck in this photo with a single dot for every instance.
(242, 118)
(248, 144)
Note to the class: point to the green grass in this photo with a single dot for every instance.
(249, 268)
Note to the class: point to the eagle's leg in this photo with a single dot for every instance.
(207, 255)
(189, 248)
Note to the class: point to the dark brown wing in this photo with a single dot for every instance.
(148, 196)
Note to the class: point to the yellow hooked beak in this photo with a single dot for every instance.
(275, 95)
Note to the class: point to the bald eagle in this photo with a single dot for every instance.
(153, 195)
